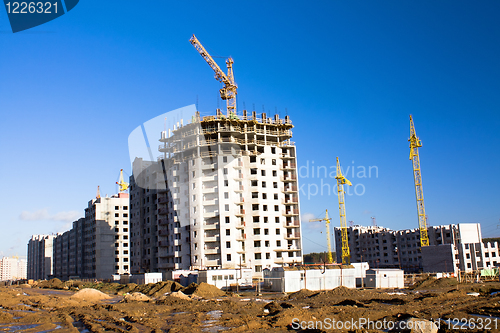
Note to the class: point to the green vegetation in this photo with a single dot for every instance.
(317, 258)
(493, 239)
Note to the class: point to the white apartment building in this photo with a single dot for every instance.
(96, 247)
(452, 247)
(229, 196)
(40, 257)
(12, 269)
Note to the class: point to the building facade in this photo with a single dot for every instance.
(452, 247)
(12, 269)
(40, 257)
(96, 247)
(226, 196)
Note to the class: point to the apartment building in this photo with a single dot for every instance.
(12, 269)
(144, 215)
(40, 257)
(226, 196)
(452, 247)
(97, 246)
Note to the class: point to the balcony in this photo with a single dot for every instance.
(293, 201)
(237, 164)
(163, 221)
(208, 166)
(291, 212)
(239, 189)
(241, 238)
(212, 263)
(166, 265)
(211, 226)
(162, 211)
(212, 251)
(291, 224)
(290, 189)
(291, 178)
(240, 213)
(162, 200)
(208, 215)
(213, 189)
(163, 232)
(209, 239)
(163, 243)
(288, 166)
(240, 225)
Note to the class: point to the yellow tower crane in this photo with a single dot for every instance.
(123, 185)
(228, 93)
(341, 181)
(415, 143)
(328, 242)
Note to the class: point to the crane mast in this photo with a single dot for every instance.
(341, 181)
(328, 242)
(415, 143)
(121, 183)
(228, 93)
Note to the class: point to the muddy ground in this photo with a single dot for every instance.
(168, 307)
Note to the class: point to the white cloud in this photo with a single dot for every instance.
(311, 225)
(43, 214)
(307, 216)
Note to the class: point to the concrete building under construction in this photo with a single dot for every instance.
(451, 248)
(226, 195)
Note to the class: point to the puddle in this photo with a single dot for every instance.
(484, 316)
(16, 327)
(214, 318)
(178, 313)
(58, 327)
(80, 327)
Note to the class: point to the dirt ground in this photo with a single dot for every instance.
(168, 307)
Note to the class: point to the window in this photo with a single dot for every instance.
(267, 244)
(226, 195)
(258, 256)
(117, 207)
(266, 231)
(266, 219)
(278, 254)
(226, 182)
(277, 231)
(273, 150)
(276, 208)
(264, 208)
(264, 184)
(256, 243)
(278, 243)
(263, 172)
(273, 162)
(226, 208)
(255, 183)
(277, 219)
(227, 219)
(117, 222)
(256, 231)
(117, 215)
(255, 206)
(262, 161)
(275, 173)
(228, 257)
(228, 232)
(126, 215)
(228, 245)
(117, 229)
(255, 195)
(264, 196)
(255, 219)
(268, 255)
(224, 159)
(275, 184)
(253, 159)
(253, 171)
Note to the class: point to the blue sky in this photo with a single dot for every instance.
(348, 73)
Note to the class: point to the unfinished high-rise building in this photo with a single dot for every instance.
(226, 196)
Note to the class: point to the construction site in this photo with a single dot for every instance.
(229, 202)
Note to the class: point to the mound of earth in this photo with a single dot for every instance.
(204, 290)
(51, 284)
(136, 297)
(432, 283)
(301, 294)
(90, 295)
(159, 289)
(179, 294)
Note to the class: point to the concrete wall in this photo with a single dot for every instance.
(439, 258)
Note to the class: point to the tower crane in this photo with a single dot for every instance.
(228, 93)
(123, 185)
(341, 181)
(415, 143)
(328, 243)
